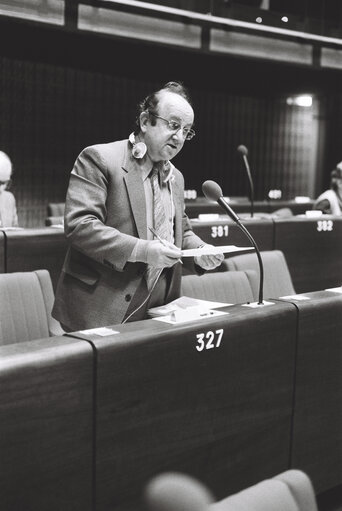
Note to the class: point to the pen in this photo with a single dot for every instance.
(154, 232)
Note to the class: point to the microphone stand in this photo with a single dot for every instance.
(251, 185)
(236, 219)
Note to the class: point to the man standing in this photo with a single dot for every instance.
(118, 194)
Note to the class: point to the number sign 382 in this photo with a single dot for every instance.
(325, 225)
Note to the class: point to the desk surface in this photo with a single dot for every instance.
(202, 205)
(46, 443)
(222, 414)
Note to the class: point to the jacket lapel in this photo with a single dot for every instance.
(136, 194)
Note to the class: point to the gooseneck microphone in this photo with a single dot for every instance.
(242, 149)
(213, 191)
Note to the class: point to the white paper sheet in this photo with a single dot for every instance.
(211, 250)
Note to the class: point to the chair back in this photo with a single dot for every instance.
(54, 220)
(55, 209)
(228, 286)
(290, 491)
(277, 278)
(26, 300)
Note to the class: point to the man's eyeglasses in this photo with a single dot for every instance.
(7, 182)
(174, 127)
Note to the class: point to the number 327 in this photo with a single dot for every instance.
(208, 340)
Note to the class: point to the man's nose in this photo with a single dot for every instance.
(179, 135)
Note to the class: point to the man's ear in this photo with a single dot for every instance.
(144, 120)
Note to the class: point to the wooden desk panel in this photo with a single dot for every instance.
(193, 208)
(46, 436)
(2, 253)
(313, 251)
(225, 232)
(221, 414)
(317, 429)
(202, 205)
(34, 249)
(297, 208)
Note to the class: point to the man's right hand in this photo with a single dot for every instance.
(162, 256)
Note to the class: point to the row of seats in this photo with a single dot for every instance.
(26, 298)
(239, 280)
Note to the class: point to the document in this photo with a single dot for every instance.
(210, 250)
(184, 303)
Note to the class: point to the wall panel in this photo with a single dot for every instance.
(53, 108)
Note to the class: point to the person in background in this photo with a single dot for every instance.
(330, 201)
(116, 267)
(8, 209)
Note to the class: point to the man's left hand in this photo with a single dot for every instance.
(209, 262)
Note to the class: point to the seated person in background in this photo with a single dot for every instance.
(330, 201)
(8, 210)
(115, 269)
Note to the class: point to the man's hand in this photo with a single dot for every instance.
(209, 262)
(162, 256)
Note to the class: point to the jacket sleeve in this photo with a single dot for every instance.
(86, 212)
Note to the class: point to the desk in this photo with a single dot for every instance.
(34, 249)
(225, 232)
(313, 250)
(297, 208)
(193, 208)
(221, 414)
(46, 442)
(317, 425)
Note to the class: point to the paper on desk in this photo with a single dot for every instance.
(183, 303)
(173, 319)
(102, 331)
(211, 250)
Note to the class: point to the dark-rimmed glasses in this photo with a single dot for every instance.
(174, 127)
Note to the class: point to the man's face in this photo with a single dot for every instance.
(163, 144)
(5, 174)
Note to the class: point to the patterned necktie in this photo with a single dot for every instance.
(160, 223)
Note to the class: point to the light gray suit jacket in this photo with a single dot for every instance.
(8, 210)
(105, 212)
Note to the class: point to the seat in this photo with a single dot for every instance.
(277, 278)
(54, 220)
(55, 209)
(290, 491)
(26, 300)
(227, 286)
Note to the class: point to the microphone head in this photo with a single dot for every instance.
(212, 190)
(176, 492)
(242, 149)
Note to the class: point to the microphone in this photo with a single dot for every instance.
(176, 492)
(242, 149)
(213, 191)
